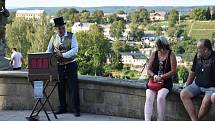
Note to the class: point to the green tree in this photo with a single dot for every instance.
(139, 16)
(117, 29)
(11, 17)
(28, 36)
(113, 17)
(198, 14)
(16, 36)
(171, 31)
(70, 15)
(93, 48)
(120, 12)
(117, 47)
(213, 13)
(144, 15)
(152, 11)
(134, 17)
(208, 14)
(67, 13)
(159, 31)
(136, 32)
(182, 73)
(128, 48)
(98, 16)
(172, 18)
(85, 16)
(41, 36)
(83, 11)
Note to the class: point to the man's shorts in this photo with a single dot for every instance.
(196, 90)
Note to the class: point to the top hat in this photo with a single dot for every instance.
(58, 21)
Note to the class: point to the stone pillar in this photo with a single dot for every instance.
(4, 14)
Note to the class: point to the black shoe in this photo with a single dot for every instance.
(61, 111)
(77, 114)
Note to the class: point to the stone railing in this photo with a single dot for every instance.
(99, 95)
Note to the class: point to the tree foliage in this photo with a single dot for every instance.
(136, 32)
(113, 17)
(117, 29)
(28, 36)
(198, 14)
(208, 14)
(139, 16)
(67, 13)
(97, 16)
(159, 31)
(182, 73)
(120, 12)
(93, 48)
(173, 17)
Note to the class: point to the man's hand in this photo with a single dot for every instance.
(58, 53)
(185, 84)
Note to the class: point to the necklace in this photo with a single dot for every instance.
(163, 56)
(205, 63)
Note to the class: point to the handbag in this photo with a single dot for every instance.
(153, 85)
(156, 86)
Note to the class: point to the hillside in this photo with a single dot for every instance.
(110, 9)
(201, 29)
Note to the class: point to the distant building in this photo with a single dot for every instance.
(106, 30)
(178, 59)
(149, 35)
(79, 26)
(133, 58)
(157, 16)
(123, 16)
(147, 51)
(29, 14)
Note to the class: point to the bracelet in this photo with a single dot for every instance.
(155, 76)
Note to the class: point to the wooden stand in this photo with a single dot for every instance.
(34, 116)
(44, 67)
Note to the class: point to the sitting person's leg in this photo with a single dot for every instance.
(161, 103)
(206, 102)
(150, 96)
(186, 96)
(213, 98)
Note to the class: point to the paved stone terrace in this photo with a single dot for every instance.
(20, 116)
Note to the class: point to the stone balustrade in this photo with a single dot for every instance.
(98, 95)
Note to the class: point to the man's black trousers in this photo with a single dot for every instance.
(68, 77)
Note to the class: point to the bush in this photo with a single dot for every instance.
(182, 73)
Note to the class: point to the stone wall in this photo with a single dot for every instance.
(99, 95)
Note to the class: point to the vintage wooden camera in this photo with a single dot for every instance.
(42, 66)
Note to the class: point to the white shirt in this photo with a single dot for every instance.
(16, 59)
(74, 46)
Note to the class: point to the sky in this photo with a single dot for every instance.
(98, 3)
